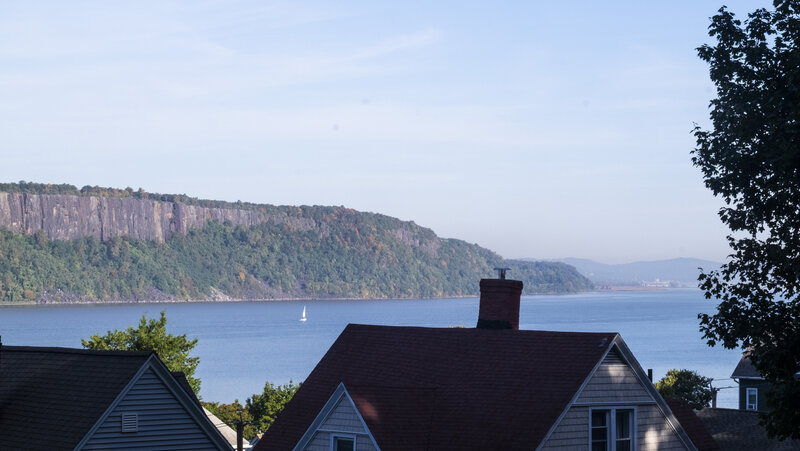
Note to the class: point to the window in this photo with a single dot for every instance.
(599, 435)
(752, 398)
(612, 430)
(343, 443)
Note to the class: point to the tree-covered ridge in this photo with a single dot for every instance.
(65, 188)
(346, 254)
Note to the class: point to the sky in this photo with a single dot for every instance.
(535, 129)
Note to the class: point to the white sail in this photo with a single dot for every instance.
(303, 318)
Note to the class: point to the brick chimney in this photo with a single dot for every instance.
(499, 305)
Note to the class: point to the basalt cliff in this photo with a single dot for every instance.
(62, 244)
(67, 217)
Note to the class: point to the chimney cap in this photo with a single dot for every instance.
(501, 272)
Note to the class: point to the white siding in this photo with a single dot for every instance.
(343, 418)
(163, 422)
(614, 381)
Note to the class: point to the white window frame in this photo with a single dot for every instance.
(335, 435)
(748, 391)
(611, 443)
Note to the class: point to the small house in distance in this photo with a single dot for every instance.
(752, 386)
(75, 399)
(491, 387)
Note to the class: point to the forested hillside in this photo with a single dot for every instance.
(319, 252)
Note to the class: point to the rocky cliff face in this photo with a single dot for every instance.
(64, 217)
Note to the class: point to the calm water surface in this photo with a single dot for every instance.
(243, 344)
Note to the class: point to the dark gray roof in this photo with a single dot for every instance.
(739, 430)
(180, 378)
(745, 369)
(58, 393)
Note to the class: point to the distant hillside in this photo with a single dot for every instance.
(679, 271)
(61, 244)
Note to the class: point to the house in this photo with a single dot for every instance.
(75, 399)
(739, 430)
(752, 387)
(227, 432)
(491, 387)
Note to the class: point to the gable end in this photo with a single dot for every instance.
(618, 381)
(339, 417)
(153, 411)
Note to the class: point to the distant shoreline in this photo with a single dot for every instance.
(217, 301)
(623, 288)
(633, 288)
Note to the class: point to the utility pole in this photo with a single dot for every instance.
(240, 432)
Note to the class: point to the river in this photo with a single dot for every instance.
(242, 345)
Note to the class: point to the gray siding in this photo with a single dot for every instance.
(614, 381)
(343, 418)
(572, 432)
(653, 432)
(322, 442)
(163, 421)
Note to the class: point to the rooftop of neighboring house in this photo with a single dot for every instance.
(693, 426)
(59, 390)
(69, 393)
(736, 430)
(745, 369)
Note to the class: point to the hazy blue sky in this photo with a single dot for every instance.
(536, 129)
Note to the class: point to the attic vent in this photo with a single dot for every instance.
(130, 422)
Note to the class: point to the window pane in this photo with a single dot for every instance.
(624, 446)
(623, 424)
(599, 434)
(599, 418)
(599, 446)
(344, 444)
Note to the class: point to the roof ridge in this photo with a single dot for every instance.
(62, 350)
(403, 387)
(558, 332)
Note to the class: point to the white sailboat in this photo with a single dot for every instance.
(303, 318)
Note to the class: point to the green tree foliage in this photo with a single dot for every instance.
(38, 188)
(266, 406)
(322, 252)
(751, 159)
(231, 414)
(151, 335)
(688, 385)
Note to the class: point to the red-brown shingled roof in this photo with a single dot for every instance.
(466, 388)
(694, 428)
